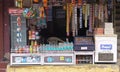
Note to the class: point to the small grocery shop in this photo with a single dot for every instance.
(62, 32)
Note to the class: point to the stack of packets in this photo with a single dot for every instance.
(108, 28)
(99, 31)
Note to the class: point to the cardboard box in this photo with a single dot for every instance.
(108, 32)
(108, 29)
(99, 31)
(108, 25)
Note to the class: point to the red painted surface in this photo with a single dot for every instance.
(1, 30)
(2, 70)
(7, 4)
(4, 31)
(3, 65)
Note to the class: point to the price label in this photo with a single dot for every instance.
(83, 48)
(62, 58)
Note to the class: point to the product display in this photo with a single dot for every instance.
(34, 48)
(82, 30)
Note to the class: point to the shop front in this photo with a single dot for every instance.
(61, 32)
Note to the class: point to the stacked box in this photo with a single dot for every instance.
(108, 25)
(108, 32)
(84, 44)
(99, 31)
(108, 28)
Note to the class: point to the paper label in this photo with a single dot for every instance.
(62, 58)
(83, 48)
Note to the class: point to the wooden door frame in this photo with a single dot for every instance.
(1, 31)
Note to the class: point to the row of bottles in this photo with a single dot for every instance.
(67, 46)
(33, 35)
(35, 48)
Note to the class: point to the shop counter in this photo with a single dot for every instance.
(72, 68)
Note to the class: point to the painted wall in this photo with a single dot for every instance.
(1, 30)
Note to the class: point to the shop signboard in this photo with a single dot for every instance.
(17, 28)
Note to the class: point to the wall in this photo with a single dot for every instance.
(6, 5)
(1, 30)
